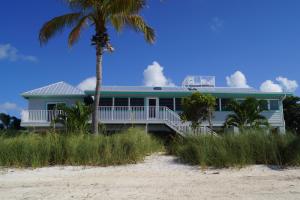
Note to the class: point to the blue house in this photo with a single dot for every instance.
(157, 108)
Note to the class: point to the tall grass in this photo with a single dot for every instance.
(252, 147)
(34, 150)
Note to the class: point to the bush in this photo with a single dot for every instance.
(252, 147)
(34, 150)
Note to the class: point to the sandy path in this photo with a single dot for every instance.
(159, 177)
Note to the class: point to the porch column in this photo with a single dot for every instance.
(174, 104)
(113, 108)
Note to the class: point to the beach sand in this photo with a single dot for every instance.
(158, 177)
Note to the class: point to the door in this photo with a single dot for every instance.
(52, 109)
(152, 108)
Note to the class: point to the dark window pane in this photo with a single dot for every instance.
(274, 105)
(152, 102)
(178, 104)
(217, 105)
(264, 105)
(137, 102)
(166, 102)
(121, 101)
(105, 102)
(225, 104)
(51, 106)
(54, 106)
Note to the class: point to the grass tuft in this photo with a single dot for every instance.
(252, 147)
(35, 150)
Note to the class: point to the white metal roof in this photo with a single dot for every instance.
(178, 89)
(65, 89)
(56, 89)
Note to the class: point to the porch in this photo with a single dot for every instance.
(118, 115)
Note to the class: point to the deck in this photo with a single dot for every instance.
(140, 115)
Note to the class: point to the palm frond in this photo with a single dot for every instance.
(75, 33)
(56, 25)
(116, 7)
(135, 22)
(80, 4)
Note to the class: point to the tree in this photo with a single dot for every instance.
(5, 119)
(98, 14)
(15, 123)
(75, 118)
(10, 122)
(291, 109)
(198, 108)
(246, 113)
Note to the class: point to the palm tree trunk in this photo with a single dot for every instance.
(210, 119)
(95, 118)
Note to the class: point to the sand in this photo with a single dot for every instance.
(158, 177)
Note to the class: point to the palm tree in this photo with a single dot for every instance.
(75, 118)
(198, 108)
(246, 113)
(98, 14)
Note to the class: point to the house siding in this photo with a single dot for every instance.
(41, 103)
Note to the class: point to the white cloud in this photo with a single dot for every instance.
(88, 84)
(154, 76)
(237, 79)
(10, 108)
(216, 24)
(283, 85)
(270, 86)
(286, 84)
(9, 52)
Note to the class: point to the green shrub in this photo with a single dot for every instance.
(34, 150)
(251, 147)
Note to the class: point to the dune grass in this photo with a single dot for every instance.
(36, 150)
(251, 147)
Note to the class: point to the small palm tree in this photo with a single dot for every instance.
(246, 113)
(198, 108)
(75, 118)
(98, 14)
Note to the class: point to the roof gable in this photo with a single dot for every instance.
(56, 89)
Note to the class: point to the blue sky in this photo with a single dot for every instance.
(260, 38)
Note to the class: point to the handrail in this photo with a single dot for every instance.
(128, 114)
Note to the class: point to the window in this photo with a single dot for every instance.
(53, 106)
(264, 105)
(178, 104)
(105, 102)
(225, 104)
(167, 102)
(137, 102)
(217, 105)
(274, 105)
(121, 101)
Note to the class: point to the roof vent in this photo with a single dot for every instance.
(157, 88)
(199, 81)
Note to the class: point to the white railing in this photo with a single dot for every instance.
(40, 115)
(136, 113)
(127, 114)
(124, 114)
